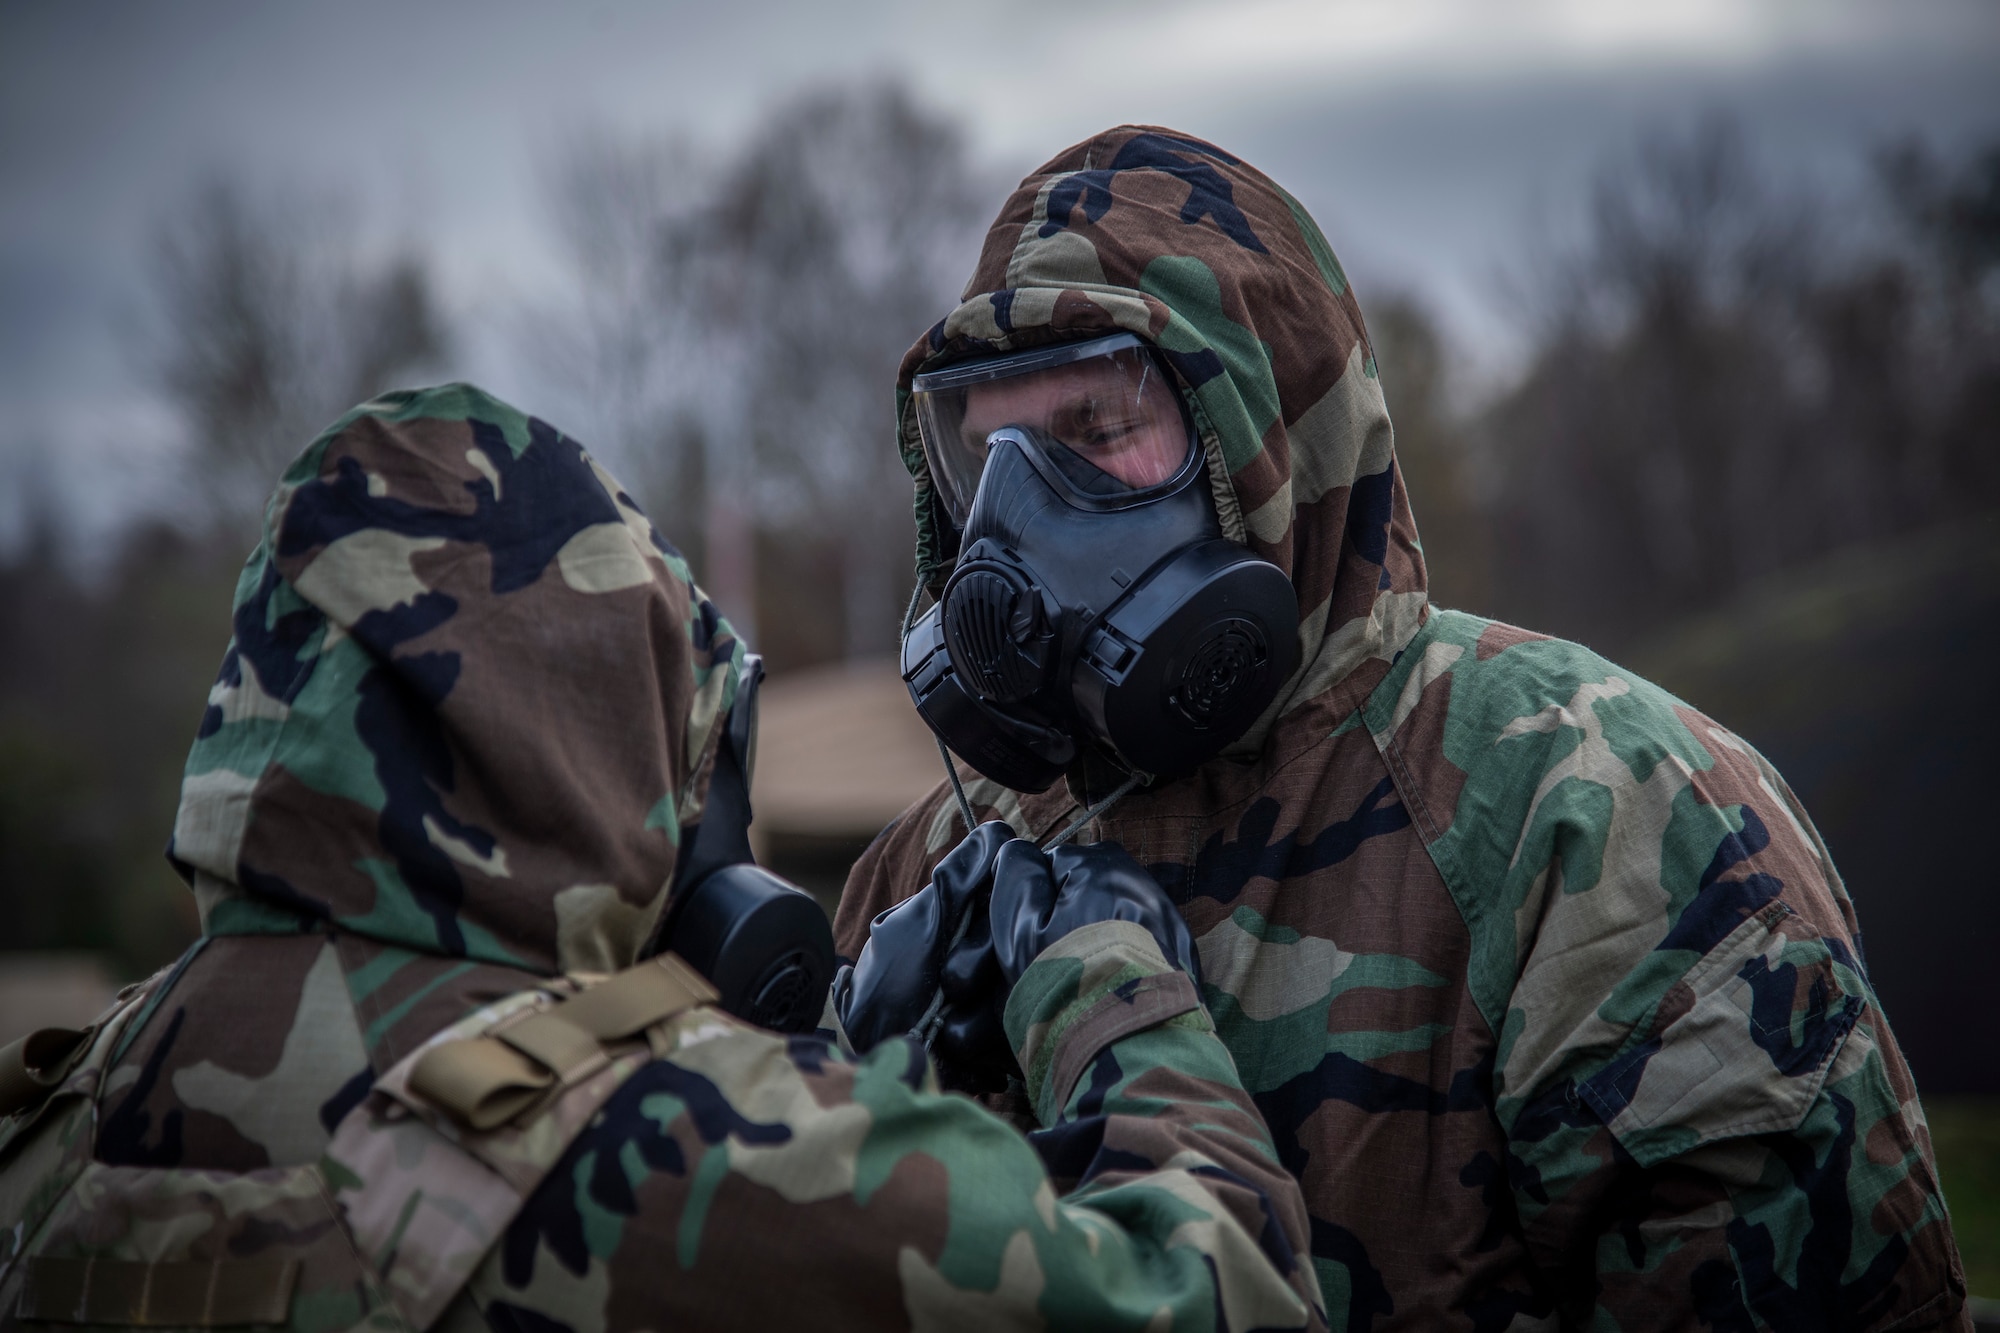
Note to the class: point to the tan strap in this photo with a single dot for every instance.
(483, 1082)
(633, 1000)
(31, 1067)
(194, 1293)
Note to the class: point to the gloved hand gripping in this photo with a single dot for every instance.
(1039, 899)
(928, 971)
(940, 965)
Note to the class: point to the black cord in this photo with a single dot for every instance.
(950, 768)
(1093, 812)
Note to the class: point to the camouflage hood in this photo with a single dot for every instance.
(1148, 231)
(469, 701)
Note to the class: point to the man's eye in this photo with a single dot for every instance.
(1108, 432)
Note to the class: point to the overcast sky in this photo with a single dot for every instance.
(1436, 140)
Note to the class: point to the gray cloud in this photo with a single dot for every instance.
(1437, 144)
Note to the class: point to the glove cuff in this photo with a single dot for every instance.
(1091, 988)
(830, 1025)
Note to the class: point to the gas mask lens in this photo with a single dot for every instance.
(1108, 420)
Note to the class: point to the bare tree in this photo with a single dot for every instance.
(270, 323)
(1948, 277)
(1432, 449)
(1725, 388)
(619, 348)
(1652, 401)
(744, 317)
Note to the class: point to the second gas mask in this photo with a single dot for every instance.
(763, 943)
(1095, 601)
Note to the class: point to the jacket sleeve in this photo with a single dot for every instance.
(753, 1180)
(1713, 1127)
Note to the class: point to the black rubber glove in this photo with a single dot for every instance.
(915, 947)
(970, 1047)
(1039, 899)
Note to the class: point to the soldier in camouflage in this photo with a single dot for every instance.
(1547, 988)
(466, 718)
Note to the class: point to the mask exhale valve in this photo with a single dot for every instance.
(1095, 601)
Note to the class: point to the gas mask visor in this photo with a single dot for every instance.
(1109, 426)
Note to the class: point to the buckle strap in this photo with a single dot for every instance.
(552, 1041)
(483, 1082)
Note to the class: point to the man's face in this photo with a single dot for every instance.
(1120, 415)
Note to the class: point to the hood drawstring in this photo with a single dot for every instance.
(1118, 794)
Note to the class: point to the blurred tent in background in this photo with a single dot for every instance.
(840, 754)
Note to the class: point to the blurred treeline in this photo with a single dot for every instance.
(1752, 447)
(1755, 455)
(1728, 380)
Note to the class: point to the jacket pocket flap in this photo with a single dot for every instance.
(1739, 1046)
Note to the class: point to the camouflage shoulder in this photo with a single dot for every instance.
(1523, 757)
(46, 1131)
(1663, 945)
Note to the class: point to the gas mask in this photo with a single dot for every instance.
(1096, 603)
(764, 944)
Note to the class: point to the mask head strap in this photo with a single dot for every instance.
(764, 944)
(722, 836)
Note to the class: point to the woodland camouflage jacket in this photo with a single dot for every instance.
(1543, 981)
(465, 719)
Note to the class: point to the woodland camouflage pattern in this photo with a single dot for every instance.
(1544, 983)
(465, 720)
